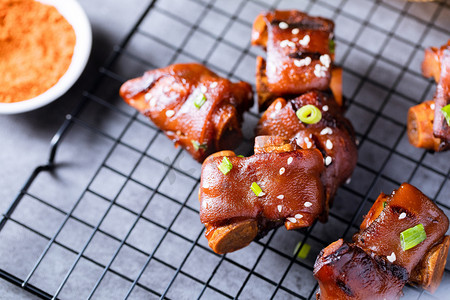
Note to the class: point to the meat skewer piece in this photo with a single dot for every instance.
(429, 117)
(194, 107)
(333, 135)
(300, 54)
(420, 126)
(242, 198)
(401, 239)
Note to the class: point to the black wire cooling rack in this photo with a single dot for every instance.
(114, 213)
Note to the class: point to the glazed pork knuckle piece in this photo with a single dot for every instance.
(300, 54)
(429, 122)
(401, 240)
(242, 198)
(332, 135)
(194, 107)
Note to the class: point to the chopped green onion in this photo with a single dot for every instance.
(256, 189)
(303, 252)
(240, 156)
(384, 204)
(309, 114)
(197, 145)
(331, 45)
(199, 100)
(446, 112)
(225, 166)
(412, 237)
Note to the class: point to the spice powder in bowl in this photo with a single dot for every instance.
(36, 48)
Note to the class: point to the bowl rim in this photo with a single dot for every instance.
(72, 11)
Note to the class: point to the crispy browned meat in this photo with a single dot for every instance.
(420, 126)
(299, 56)
(375, 266)
(345, 271)
(168, 96)
(333, 135)
(434, 135)
(290, 181)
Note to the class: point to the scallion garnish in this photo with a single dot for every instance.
(199, 100)
(309, 114)
(225, 166)
(384, 204)
(331, 45)
(303, 252)
(197, 145)
(256, 189)
(446, 112)
(412, 237)
(240, 156)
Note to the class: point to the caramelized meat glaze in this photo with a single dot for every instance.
(300, 54)
(375, 266)
(292, 192)
(333, 135)
(427, 126)
(195, 108)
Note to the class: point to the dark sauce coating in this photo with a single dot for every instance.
(427, 126)
(375, 266)
(168, 95)
(290, 179)
(333, 135)
(345, 271)
(405, 209)
(282, 72)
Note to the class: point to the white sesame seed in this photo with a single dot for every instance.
(279, 207)
(348, 180)
(261, 194)
(152, 102)
(307, 204)
(402, 216)
(291, 44)
(206, 185)
(306, 139)
(325, 60)
(329, 144)
(170, 113)
(391, 257)
(295, 31)
(302, 62)
(325, 108)
(213, 85)
(148, 96)
(283, 43)
(281, 197)
(328, 160)
(326, 130)
(282, 171)
(305, 40)
(298, 216)
(278, 106)
(320, 71)
(432, 106)
(203, 89)
(308, 145)
(292, 220)
(283, 25)
(307, 61)
(289, 161)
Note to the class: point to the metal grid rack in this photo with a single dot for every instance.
(115, 210)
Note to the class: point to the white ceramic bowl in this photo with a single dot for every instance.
(75, 15)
